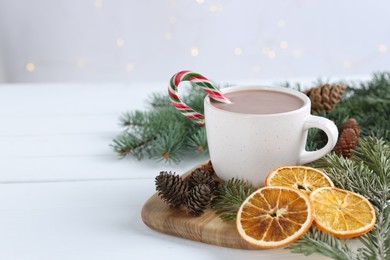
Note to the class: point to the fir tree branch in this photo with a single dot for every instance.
(136, 119)
(377, 242)
(169, 144)
(127, 143)
(314, 139)
(367, 173)
(198, 142)
(315, 241)
(162, 133)
(158, 100)
(229, 196)
(376, 155)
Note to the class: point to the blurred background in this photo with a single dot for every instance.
(149, 40)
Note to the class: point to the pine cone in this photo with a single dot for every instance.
(199, 198)
(200, 176)
(353, 124)
(208, 167)
(346, 142)
(171, 188)
(325, 97)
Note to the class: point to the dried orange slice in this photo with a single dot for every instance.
(274, 216)
(343, 213)
(300, 177)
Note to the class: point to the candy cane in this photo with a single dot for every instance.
(197, 79)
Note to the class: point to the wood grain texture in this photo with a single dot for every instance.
(207, 228)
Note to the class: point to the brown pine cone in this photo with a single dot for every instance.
(208, 167)
(198, 199)
(200, 176)
(346, 142)
(171, 188)
(353, 124)
(325, 97)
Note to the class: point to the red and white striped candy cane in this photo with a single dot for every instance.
(197, 79)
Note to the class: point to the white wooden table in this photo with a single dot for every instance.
(63, 192)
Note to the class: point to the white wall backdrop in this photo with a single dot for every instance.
(149, 40)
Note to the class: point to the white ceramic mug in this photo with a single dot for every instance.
(249, 146)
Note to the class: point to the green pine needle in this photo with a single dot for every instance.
(134, 121)
(169, 143)
(161, 132)
(158, 100)
(127, 143)
(367, 173)
(315, 241)
(198, 142)
(229, 197)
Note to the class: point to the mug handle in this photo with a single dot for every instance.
(330, 130)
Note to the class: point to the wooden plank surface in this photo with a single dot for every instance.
(63, 132)
(65, 193)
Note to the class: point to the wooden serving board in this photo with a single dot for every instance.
(207, 228)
